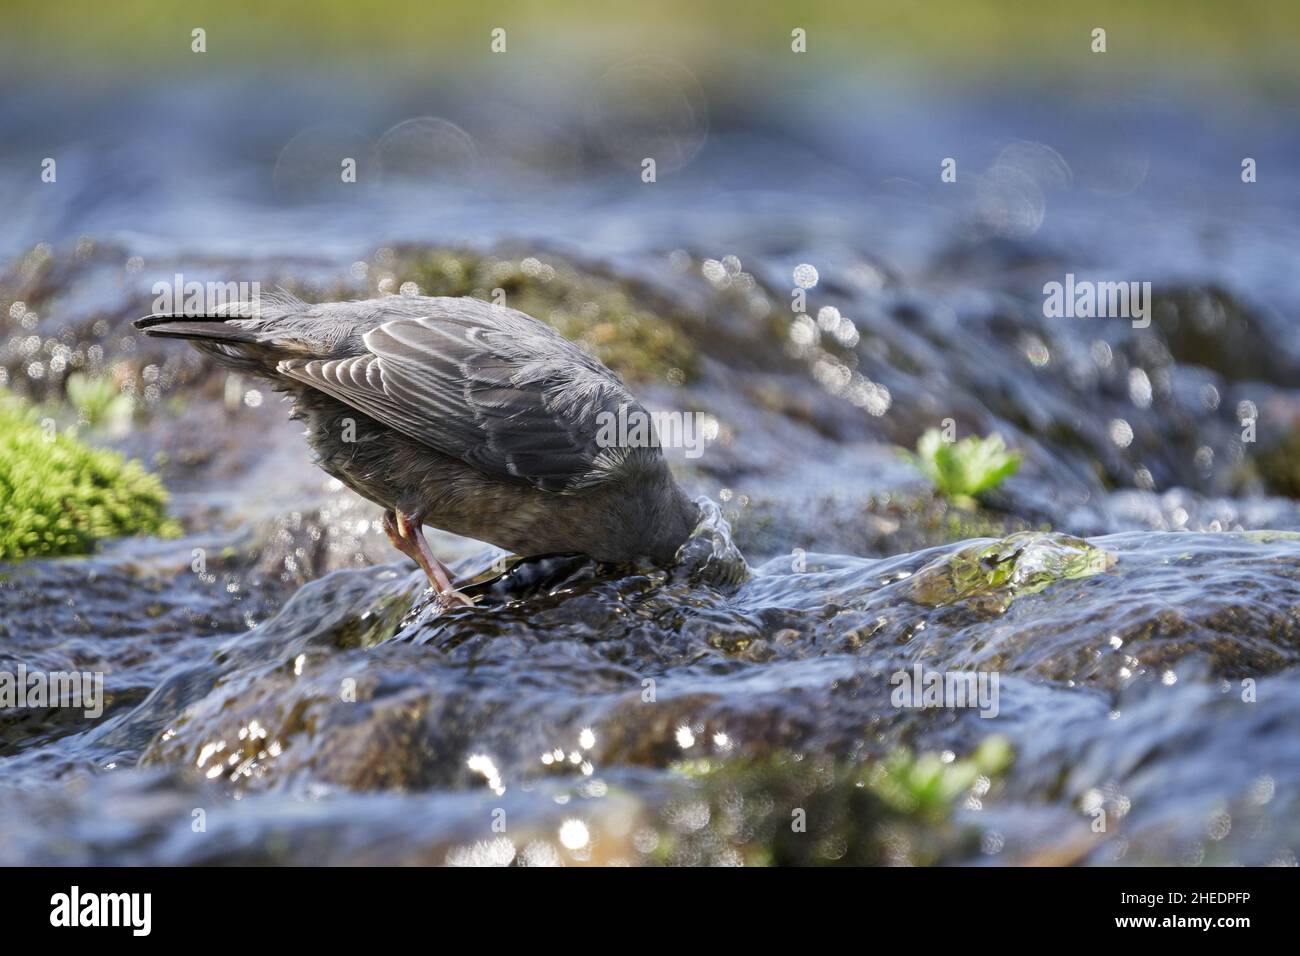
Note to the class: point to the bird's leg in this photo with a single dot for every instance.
(401, 544)
(439, 574)
(405, 534)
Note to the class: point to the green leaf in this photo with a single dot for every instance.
(961, 470)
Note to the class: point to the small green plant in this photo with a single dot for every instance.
(59, 496)
(98, 402)
(926, 786)
(796, 810)
(964, 469)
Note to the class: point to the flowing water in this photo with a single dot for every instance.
(280, 688)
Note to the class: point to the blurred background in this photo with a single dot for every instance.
(156, 140)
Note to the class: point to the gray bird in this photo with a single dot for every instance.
(460, 414)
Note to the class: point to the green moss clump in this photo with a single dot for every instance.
(99, 403)
(782, 810)
(926, 787)
(926, 520)
(58, 496)
(594, 311)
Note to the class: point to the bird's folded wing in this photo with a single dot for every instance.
(492, 395)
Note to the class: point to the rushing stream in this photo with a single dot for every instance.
(279, 688)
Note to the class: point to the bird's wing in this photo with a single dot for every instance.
(500, 391)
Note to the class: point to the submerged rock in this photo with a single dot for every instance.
(1023, 563)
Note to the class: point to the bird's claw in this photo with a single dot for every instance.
(453, 597)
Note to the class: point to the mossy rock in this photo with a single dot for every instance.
(893, 522)
(1020, 564)
(927, 520)
(783, 810)
(594, 311)
(58, 496)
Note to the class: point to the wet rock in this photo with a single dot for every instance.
(571, 673)
(321, 708)
(1021, 564)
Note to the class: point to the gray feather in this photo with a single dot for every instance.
(474, 418)
(488, 385)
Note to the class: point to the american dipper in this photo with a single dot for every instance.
(467, 416)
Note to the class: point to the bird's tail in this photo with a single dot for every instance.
(234, 342)
(215, 328)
